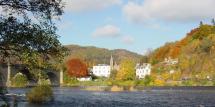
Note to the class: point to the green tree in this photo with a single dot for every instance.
(213, 22)
(127, 70)
(22, 37)
(19, 34)
(113, 74)
(19, 80)
(26, 40)
(148, 80)
(201, 23)
(42, 10)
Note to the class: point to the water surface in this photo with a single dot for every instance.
(158, 97)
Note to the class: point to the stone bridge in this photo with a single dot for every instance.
(7, 71)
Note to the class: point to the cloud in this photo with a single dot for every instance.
(89, 5)
(169, 10)
(107, 31)
(128, 40)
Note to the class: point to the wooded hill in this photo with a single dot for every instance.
(195, 52)
(94, 55)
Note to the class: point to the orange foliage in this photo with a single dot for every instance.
(190, 34)
(163, 51)
(173, 49)
(76, 68)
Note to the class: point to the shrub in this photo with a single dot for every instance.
(159, 82)
(40, 94)
(19, 80)
(147, 81)
(124, 83)
(69, 80)
(188, 83)
(44, 82)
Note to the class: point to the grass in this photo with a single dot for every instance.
(148, 81)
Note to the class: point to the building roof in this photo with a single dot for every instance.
(102, 65)
(142, 66)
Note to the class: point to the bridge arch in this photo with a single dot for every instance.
(53, 77)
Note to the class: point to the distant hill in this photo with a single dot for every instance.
(95, 55)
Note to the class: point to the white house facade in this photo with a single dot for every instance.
(143, 70)
(89, 78)
(101, 70)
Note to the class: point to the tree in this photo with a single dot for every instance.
(19, 80)
(148, 80)
(201, 23)
(76, 68)
(42, 10)
(213, 22)
(144, 59)
(113, 74)
(203, 31)
(126, 71)
(22, 37)
(19, 34)
(206, 45)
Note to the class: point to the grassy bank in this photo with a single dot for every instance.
(143, 82)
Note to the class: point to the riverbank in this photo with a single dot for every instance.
(143, 82)
(139, 88)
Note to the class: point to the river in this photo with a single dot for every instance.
(158, 97)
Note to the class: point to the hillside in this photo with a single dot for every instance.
(196, 55)
(93, 55)
(197, 37)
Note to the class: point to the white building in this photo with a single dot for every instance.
(101, 70)
(170, 61)
(143, 70)
(89, 78)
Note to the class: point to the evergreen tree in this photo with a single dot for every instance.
(201, 23)
(213, 22)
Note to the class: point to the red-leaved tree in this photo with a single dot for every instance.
(76, 68)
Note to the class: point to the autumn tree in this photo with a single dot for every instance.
(76, 68)
(206, 45)
(203, 31)
(127, 70)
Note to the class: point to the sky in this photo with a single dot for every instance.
(135, 25)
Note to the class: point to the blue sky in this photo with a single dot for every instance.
(135, 25)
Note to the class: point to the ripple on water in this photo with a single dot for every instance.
(69, 97)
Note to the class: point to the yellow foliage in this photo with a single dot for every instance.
(165, 76)
(126, 71)
(176, 76)
(159, 82)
